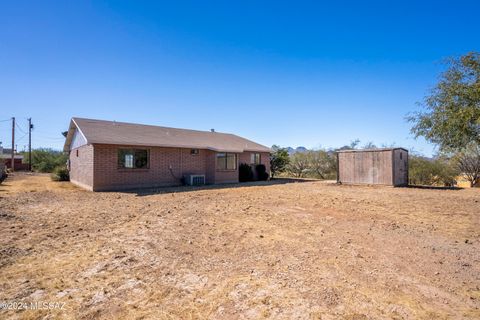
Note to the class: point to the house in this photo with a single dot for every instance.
(6, 158)
(385, 166)
(110, 155)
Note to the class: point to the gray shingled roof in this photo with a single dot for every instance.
(121, 133)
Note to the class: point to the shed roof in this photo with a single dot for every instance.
(371, 150)
(132, 134)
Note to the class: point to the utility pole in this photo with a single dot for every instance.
(30, 127)
(12, 165)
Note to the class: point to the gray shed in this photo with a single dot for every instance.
(387, 166)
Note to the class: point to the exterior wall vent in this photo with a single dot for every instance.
(195, 179)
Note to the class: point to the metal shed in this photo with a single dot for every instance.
(387, 166)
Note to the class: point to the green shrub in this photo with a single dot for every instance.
(262, 173)
(432, 172)
(279, 160)
(60, 174)
(245, 172)
(46, 160)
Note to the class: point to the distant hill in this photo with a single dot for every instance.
(297, 149)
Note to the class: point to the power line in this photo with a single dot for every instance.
(49, 138)
(18, 127)
(17, 140)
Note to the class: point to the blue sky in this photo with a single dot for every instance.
(290, 73)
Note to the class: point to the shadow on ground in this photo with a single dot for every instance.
(162, 190)
(433, 187)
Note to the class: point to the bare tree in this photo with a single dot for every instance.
(299, 164)
(321, 163)
(469, 163)
(369, 145)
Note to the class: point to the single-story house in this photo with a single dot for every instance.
(110, 155)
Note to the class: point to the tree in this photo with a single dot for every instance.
(425, 171)
(369, 145)
(278, 160)
(451, 117)
(468, 162)
(353, 145)
(321, 164)
(299, 164)
(45, 160)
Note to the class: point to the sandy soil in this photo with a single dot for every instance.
(306, 250)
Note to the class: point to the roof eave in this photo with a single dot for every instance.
(71, 131)
(371, 150)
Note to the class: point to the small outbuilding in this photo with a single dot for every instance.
(386, 166)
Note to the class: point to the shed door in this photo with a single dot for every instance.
(401, 166)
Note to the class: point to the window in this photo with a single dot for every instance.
(255, 158)
(77, 152)
(133, 158)
(194, 152)
(226, 161)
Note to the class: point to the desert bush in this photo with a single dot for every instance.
(46, 160)
(432, 172)
(245, 172)
(322, 164)
(298, 165)
(279, 160)
(60, 174)
(261, 172)
(318, 164)
(468, 163)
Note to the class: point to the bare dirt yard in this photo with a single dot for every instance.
(305, 250)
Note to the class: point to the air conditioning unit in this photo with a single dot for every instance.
(195, 179)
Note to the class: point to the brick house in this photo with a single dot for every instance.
(109, 155)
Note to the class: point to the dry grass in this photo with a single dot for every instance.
(297, 250)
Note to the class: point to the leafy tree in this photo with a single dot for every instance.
(279, 160)
(451, 117)
(46, 160)
(468, 161)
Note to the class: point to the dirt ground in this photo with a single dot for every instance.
(304, 250)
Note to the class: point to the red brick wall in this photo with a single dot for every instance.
(226, 176)
(81, 166)
(245, 157)
(210, 166)
(19, 165)
(265, 160)
(96, 167)
(166, 167)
